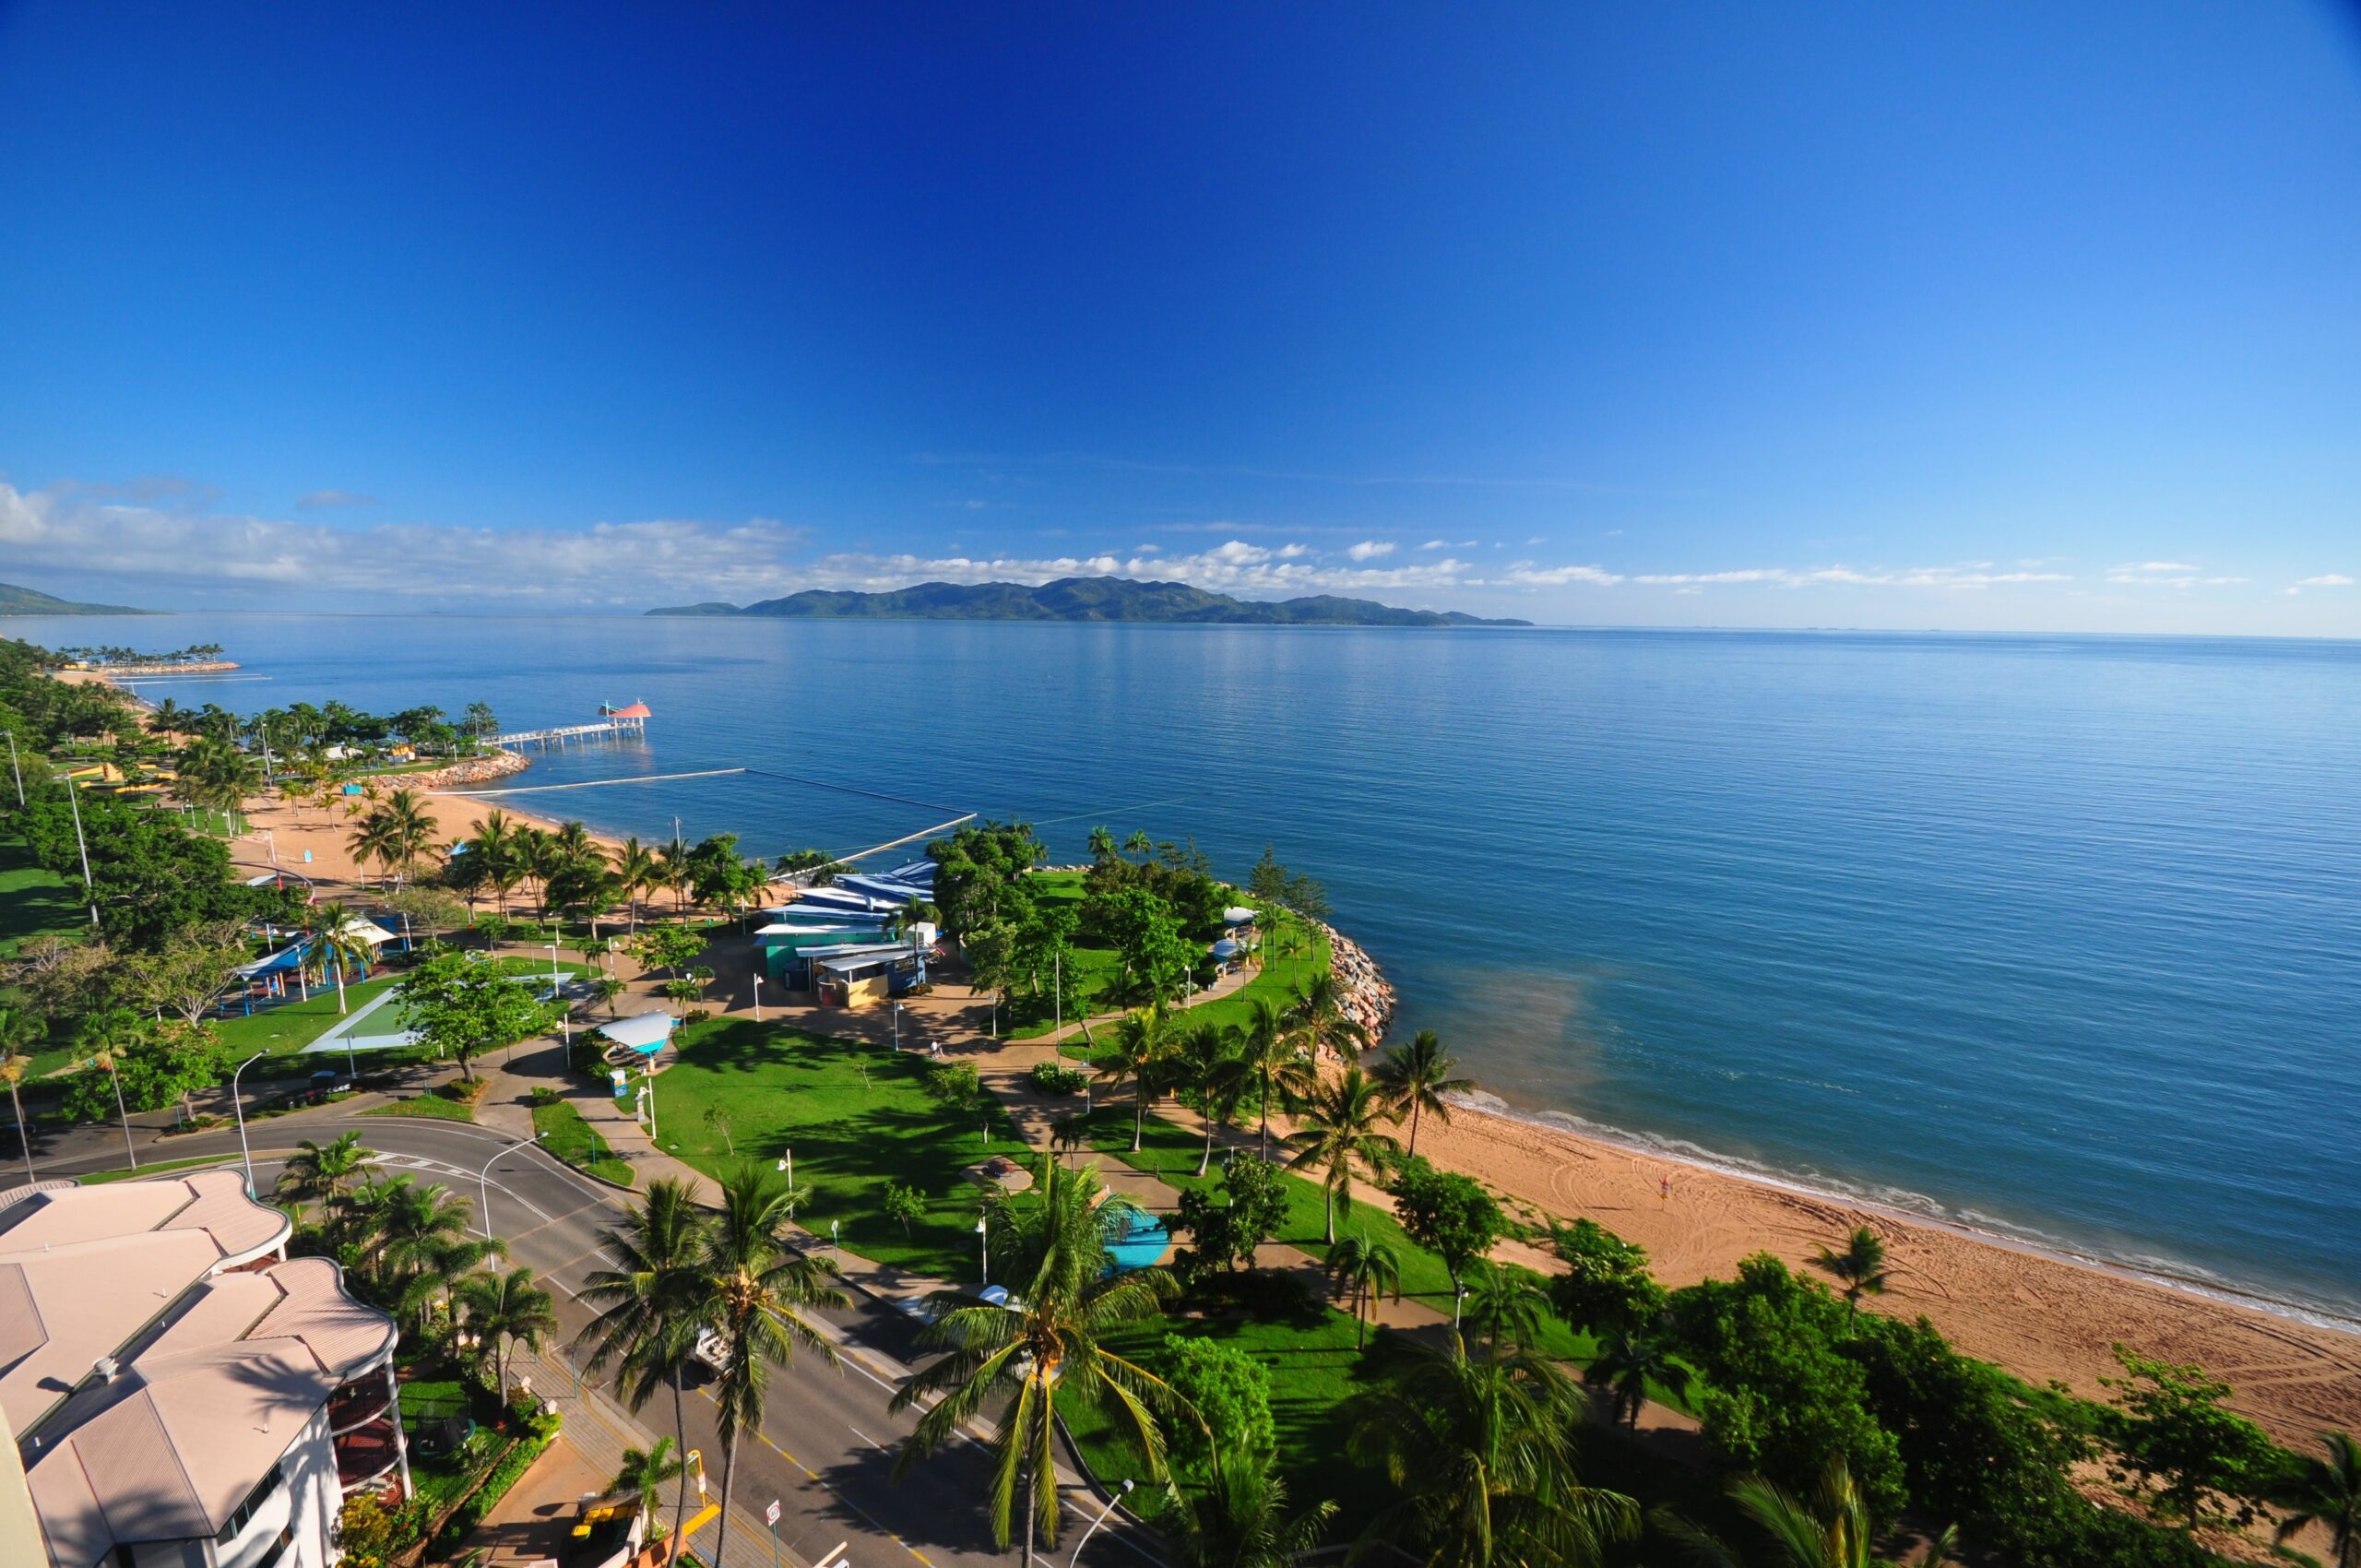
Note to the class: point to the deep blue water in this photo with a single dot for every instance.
(2062, 935)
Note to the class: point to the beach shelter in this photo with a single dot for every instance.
(644, 1033)
(1238, 914)
(1225, 949)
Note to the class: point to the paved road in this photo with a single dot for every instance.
(826, 1449)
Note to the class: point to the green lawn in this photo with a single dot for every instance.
(33, 902)
(1314, 1369)
(1097, 970)
(856, 1118)
(575, 1142)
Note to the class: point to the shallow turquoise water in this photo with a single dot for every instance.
(2062, 935)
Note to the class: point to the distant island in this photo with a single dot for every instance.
(1086, 598)
(15, 601)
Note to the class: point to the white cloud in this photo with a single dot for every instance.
(2329, 580)
(1436, 544)
(1291, 551)
(1369, 549)
(1536, 539)
(2159, 566)
(1972, 576)
(1525, 574)
(319, 498)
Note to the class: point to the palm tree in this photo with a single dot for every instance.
(1208, 1062)
(1102, 844)
(536, 857)
(637, 871)
(1364, 1270)
(373, 839)
(1142, 1045)
(1319, 1017)
(1239, 1519)
(506, 1309)
(1268, 1052)
(1828, 1529)
(1479, 1457)
(1416, 1078)
(410, 828)
(337, 945)
(1624, 1367)
(1861, 1266)
(758, 1287)
(492, 845)
(1139, 844)
(321, 1173)
(644, 1474)
(650, 1304)
(1045, 1345)
(1338, 1131)
(2327, 1492)
(1508, 1304)
(421, 1245)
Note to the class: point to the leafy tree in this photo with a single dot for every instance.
(187, 975)
(1230, 1392)
(2204, 1462)
(151, 1064)
(1364, 1270)
(981, 871)
(1606, 1288)
(1268, 880)
(1338, 1134)
(1782, 1394)
(1267, 1051)
(1414, 1078)
(990, 947)
(1151, 954)
(1139, 1056)
(1479, 1464)
(904, 1204)
(669, 947)
(1861, 1266)
(462, 1009)
(1047, 1346)
(1450, 1215)
(504, 1310)
(954, 1086)
(1206, 1059)
(2327, 1492)
(1224, 1235)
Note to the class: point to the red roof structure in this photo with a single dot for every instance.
(636, 710)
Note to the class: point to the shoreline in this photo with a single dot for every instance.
(2050, 1249)
(2041, 1312)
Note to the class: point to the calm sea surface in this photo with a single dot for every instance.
(2059, 935)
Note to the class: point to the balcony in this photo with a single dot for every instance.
(359, 1403)
(367, 1456)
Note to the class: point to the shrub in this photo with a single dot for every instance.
(1231, 1394)
(1049, 1077)
(544, 1095)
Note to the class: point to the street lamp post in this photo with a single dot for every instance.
(484, 1180)
(73, 800)
(1125, 1491)
(898, 1029)
(758, 999)
(238, 1106)
(14, 768)
(984, 1244)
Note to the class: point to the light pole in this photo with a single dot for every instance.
(898, 1029)
(1458, 1301)
(74, 802)
(484, 1180)
(984, 1244)
(758, 999)
(1122, 1493)
(14, 768)
(238, 1107)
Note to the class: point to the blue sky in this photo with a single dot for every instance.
(2017, 316)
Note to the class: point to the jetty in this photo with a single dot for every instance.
(613, 723)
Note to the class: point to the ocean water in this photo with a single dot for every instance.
(2060, 936)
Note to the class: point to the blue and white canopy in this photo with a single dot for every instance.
(1238, 914)
(1226, 948)
(646, 1033)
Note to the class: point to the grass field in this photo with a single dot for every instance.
(33, 902)
(1097, 970)
(433, 1107)
(574, 1141)
(856, 1118)
(100, 1178)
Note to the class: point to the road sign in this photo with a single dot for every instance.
(770, 1515)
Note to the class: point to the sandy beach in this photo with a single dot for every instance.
(2041, 1316)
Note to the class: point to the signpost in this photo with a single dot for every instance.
(770, 1517)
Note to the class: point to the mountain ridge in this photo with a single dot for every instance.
(1084, 598)
(16, 600)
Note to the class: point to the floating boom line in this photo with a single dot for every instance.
(591, 783)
